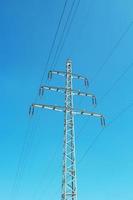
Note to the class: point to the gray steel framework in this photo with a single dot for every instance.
(69, 182)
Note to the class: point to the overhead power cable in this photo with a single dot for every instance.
(52, 181)
(67, 32)
(28, 139)
(126, 70)
(45, 69)
(109, 56)
(102, 130)
(71, 9)
(19, 168)
(54, 40)
(13, 189)
(106, 60)
(69, 28)
(112, 51)
(51, 160)
(113, 120)
(28, 151)
(64, 30)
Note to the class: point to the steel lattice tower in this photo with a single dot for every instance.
(69, 182)
(69, 189)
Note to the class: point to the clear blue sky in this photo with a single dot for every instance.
(27, 29)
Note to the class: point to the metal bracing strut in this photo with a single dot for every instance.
(69, 182)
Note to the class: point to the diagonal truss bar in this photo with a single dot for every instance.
(64, 90)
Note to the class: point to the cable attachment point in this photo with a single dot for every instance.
(41, 91)
(86, 82)
(103, 121)
(50, 75)
(94, 100)
(31, 110)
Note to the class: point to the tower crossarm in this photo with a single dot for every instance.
(64, 109)
(62, 73)
(54, 72)
(62, 89)
(49, 107)
(91, 114)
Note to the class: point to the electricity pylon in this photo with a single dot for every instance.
(69, 182)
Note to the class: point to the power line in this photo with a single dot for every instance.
(113, 50)
(45, 69)
(102, 130)
(113, 120)
(28, 139)
(110, 54)
(19, 170)
(52, 181)
(29, 147)
(64, 29)
(117, 80)
(19, 162)
(52, 159)
(126, 70)
(54, 40)
(52, 45)
(68, 30)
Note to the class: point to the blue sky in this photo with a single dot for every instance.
(101, 33)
